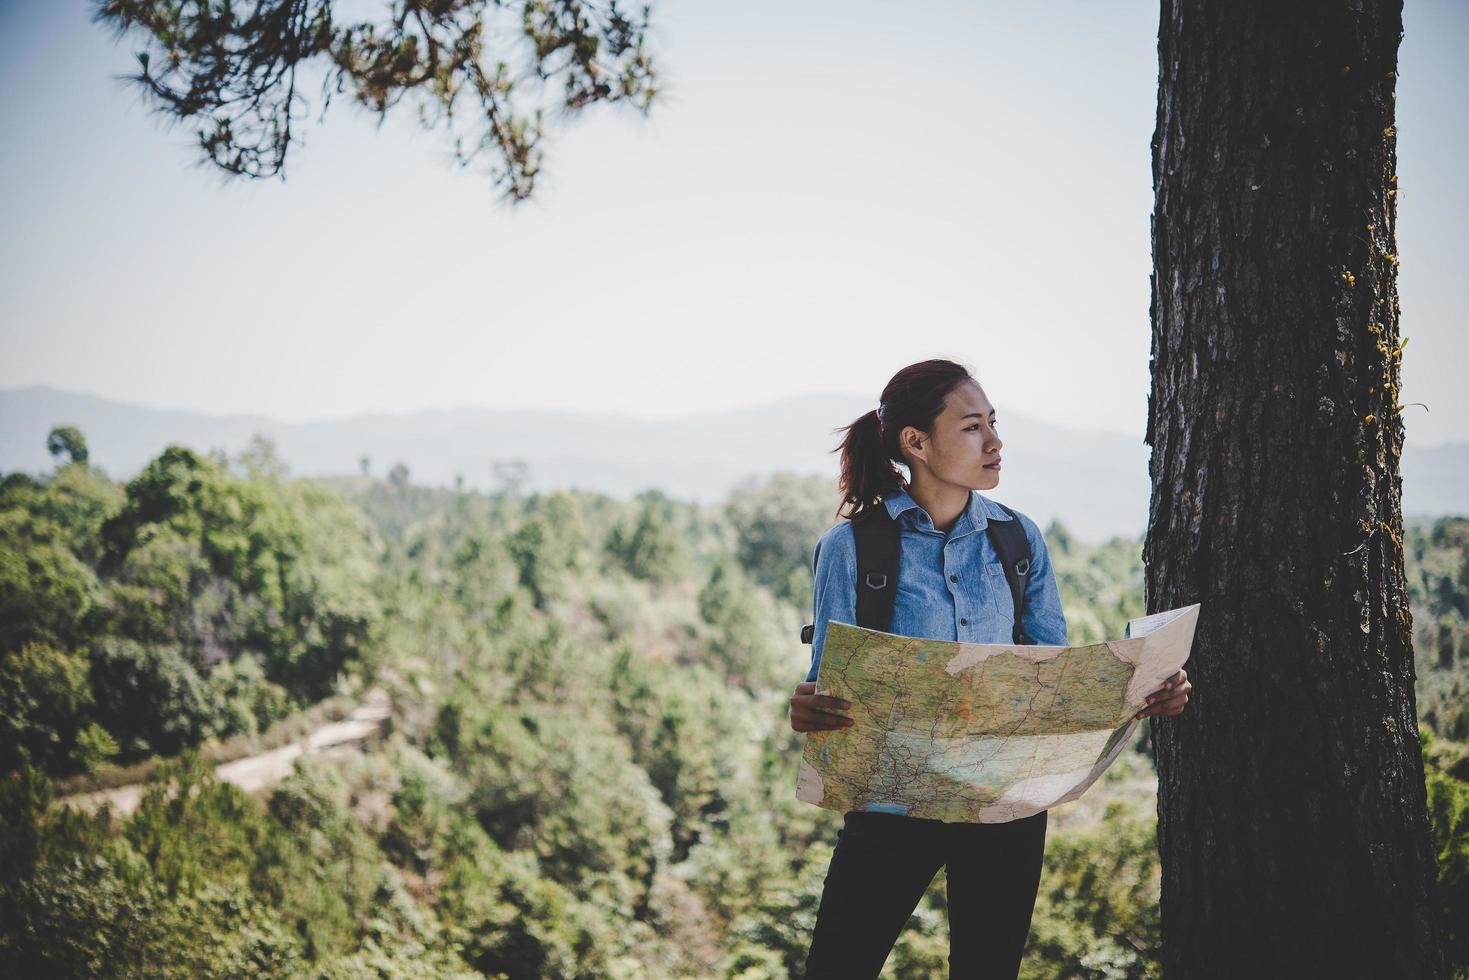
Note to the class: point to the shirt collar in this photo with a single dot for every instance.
(976, 517)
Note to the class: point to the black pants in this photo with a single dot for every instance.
(883, 864)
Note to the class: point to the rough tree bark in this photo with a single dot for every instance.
(1292, 822)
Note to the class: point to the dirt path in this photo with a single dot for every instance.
(259, 772)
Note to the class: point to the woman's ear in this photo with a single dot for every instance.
(913, 441)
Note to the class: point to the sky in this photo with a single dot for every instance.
(823, 193)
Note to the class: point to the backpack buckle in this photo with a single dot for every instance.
(881, 583)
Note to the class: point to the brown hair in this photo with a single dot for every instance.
(915, 396)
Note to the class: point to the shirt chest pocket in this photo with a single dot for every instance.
(999, 590)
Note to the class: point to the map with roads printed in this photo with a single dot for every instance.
(980, 733)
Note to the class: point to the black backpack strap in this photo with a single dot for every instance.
(878, 551)
(877, 567)
(1013, 549)
(808, 632)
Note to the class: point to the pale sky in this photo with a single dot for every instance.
(827, 191)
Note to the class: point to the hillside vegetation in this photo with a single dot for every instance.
(589, 771)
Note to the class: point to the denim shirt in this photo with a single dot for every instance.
(950, 586)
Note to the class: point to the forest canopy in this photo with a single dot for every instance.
(588, 770)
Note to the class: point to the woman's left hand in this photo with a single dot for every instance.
(1168, 699)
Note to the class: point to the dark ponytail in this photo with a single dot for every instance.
(915, 396)
(867, 467)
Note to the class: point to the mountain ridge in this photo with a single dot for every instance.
(702, 457)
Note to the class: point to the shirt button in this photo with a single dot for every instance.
(953, 578)
(963, 622)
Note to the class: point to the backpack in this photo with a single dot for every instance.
(877, 538)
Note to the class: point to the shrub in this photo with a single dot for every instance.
(150, 698)
(45, 699)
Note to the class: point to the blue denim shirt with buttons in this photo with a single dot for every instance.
(950, 586)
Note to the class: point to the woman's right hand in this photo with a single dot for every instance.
(812, 712)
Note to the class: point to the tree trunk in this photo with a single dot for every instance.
(1292, 823)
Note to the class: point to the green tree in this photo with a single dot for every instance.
(485, 69)
(1101, 585)
(1438, 582)
(549, 781)
(217, 565)
(1446, 766)
(508, 920)
(777, 521)
(48, 593)
(549, 544)
(46, 711)
(751, 632)
(67, 440)
(1096, 916)
(150, 698)
(260, 460)
(651, 548)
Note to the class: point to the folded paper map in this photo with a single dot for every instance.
(981, 732)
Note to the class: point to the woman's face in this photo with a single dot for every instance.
(963, 449)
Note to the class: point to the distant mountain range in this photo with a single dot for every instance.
(1095, 482)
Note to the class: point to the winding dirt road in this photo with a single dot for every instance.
(259, 772)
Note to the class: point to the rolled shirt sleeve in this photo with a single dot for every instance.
(1043, 620)
(835, 594)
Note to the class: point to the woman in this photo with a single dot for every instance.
(935, 420)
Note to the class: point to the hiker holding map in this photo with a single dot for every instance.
(943, 708)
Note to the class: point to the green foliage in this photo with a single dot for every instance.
(922, 950)
(496, 906)
(1101, 585)
(45, 704)
(777, 521)
(193, 829)
(230, 67)
(221, 566)
(196, 601)
(780, 923)
(85, 903)
(319, 839)
(204, 882)
(24, 795)
(426, 805)
(93, 919)
(1436, 557)
(650, 547)
(68, 441)
(547, 545)
(1446, 771)
(749, 631)
(150, 698)
(511, 921)
(674, 730)
(74, 502)
(94, 745)
(1096, 916)
(243, 699)
(545, 781)
(47, 593)
(590, 770)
